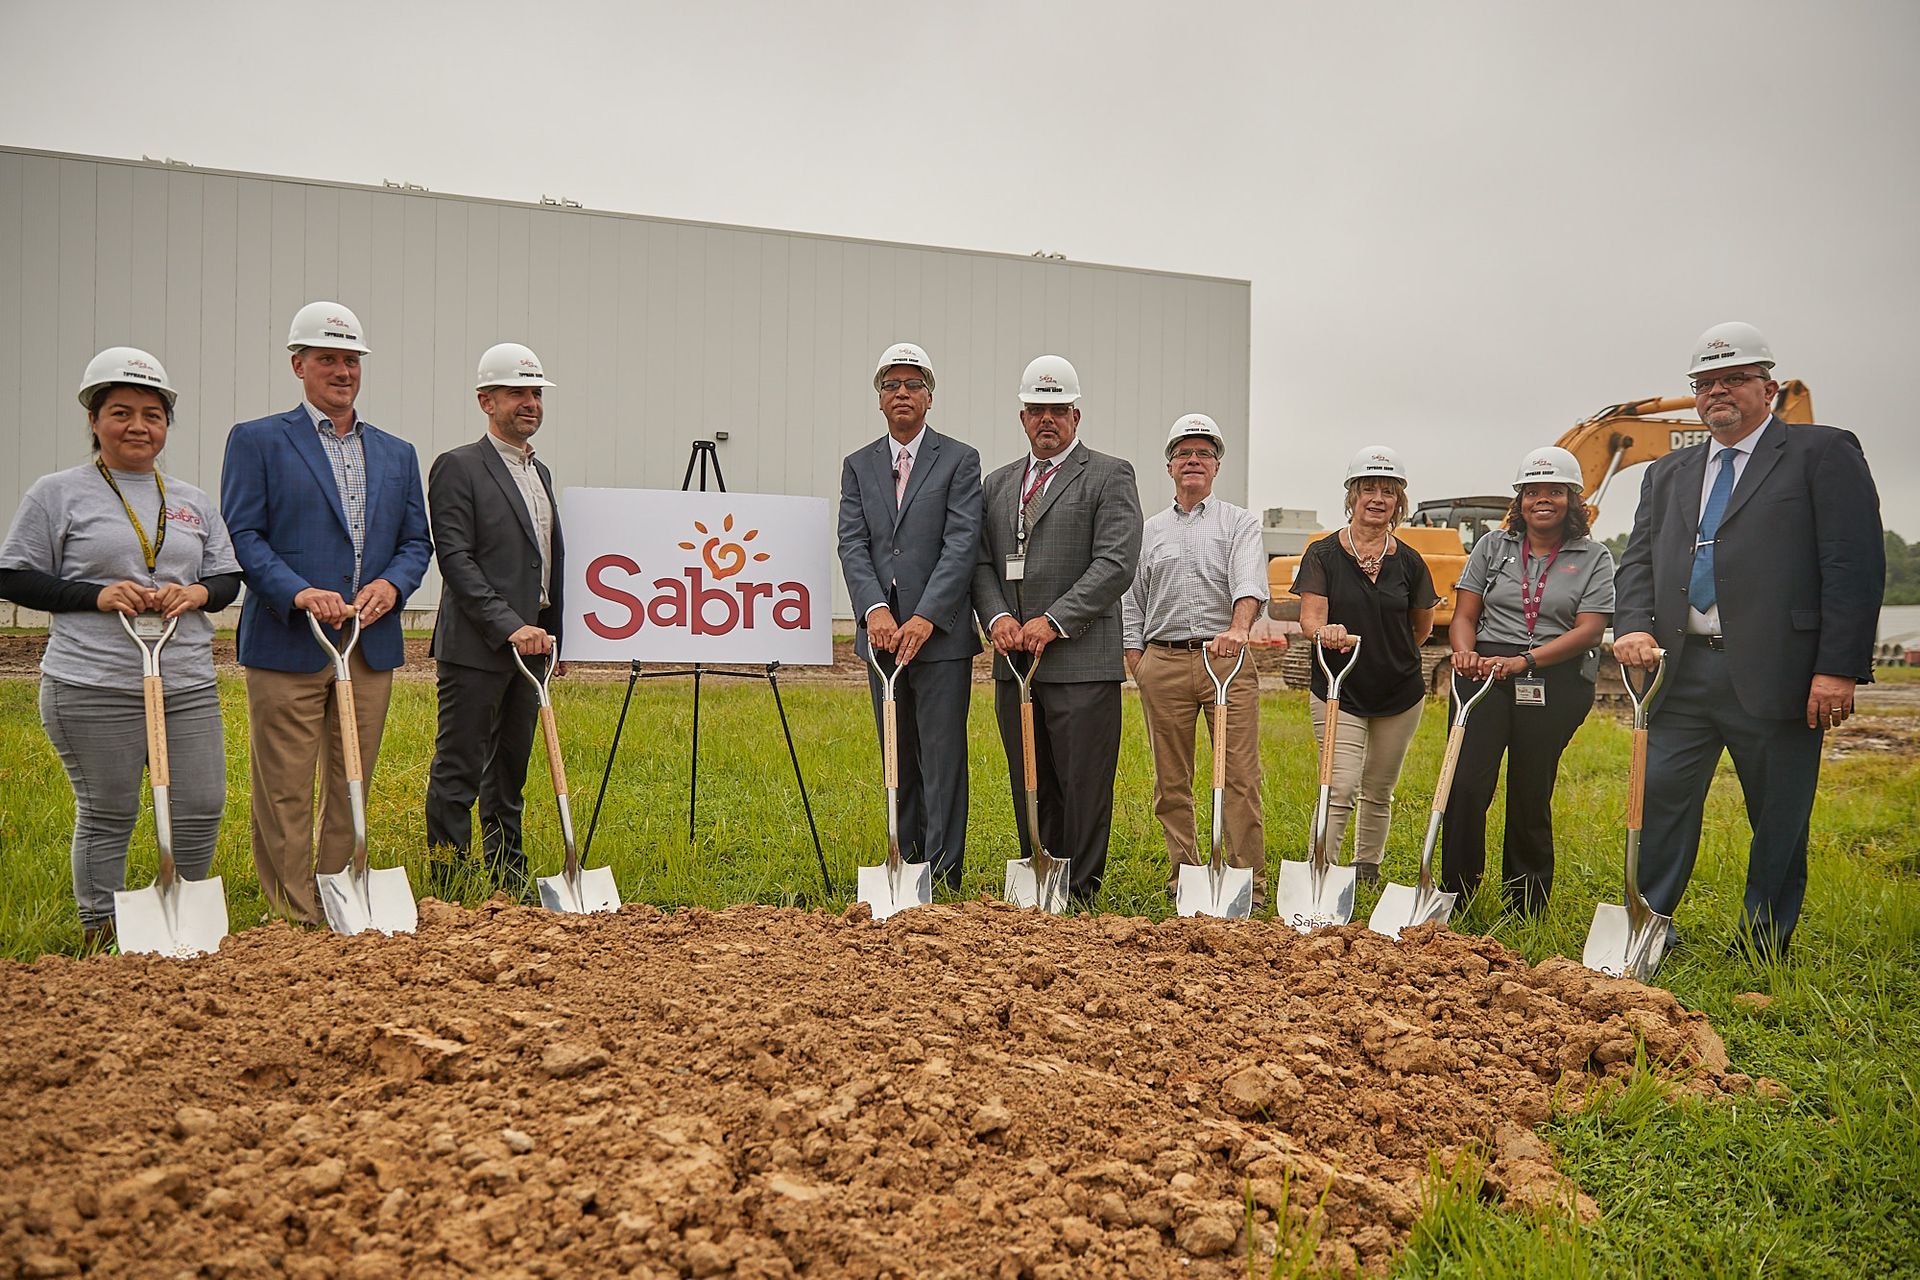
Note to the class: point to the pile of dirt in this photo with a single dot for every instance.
(964, 1091)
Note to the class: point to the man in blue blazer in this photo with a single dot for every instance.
(909, 536)
(327, 518)
(1757, 563)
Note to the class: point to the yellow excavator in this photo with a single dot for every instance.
(1443, 530)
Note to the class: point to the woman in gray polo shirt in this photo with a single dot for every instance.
(1531, 605)
(114, 535)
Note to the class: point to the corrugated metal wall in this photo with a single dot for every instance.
(656, 331)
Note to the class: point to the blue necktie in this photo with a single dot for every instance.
(1701, 593)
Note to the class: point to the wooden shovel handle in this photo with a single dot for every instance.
(158, 772)
(1219, 745)
(1027, 760)
(1637, 779)
(556, 766)
(1326, 744)
(1444, 787)
(890, 743)
(349, 731)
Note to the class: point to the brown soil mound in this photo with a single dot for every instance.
(964, 1091)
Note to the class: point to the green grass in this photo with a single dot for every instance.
(1825, 1183)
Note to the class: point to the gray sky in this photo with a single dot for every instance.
(1467, 225)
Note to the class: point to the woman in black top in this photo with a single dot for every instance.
(1362, 581)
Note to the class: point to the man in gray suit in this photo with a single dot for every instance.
(909, 537)
(502, 570)
(1756, 562)
(1059, 543)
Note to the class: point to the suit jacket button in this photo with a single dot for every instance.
(896, 551)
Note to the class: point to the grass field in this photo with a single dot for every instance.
(1826, 1183)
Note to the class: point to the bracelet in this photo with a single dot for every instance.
(1532, 666)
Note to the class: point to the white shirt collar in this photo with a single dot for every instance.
(912, 446)
(1747, 443)
(512, 453)
(321, 422)
(1056, 460)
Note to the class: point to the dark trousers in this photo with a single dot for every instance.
(1076, 737)
(480, 753)
(1532, 739)
(930, 712)
(1778, 763)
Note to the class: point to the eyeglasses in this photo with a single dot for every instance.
(1731, 381)
(1185, 455)
(892, 385)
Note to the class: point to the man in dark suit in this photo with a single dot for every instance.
(496, 533)
(909, 536)
(1756, 562)
(1060, 539)
(327, 519)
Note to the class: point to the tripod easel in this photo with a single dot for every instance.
(703, 452)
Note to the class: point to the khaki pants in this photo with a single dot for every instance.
(1174, 690)
(1367, 754)
(294, 735)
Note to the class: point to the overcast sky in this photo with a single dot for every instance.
(1467, 225)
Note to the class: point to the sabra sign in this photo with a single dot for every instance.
(663, 576)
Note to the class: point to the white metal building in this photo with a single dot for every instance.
(657, 331)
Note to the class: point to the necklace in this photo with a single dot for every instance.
(1369, 564)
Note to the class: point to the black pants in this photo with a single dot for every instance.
(1076, 738)
(930, 712)
(480, 753)
(1532, 738)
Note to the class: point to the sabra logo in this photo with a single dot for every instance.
(1048, 380)
(1719, 344)
(527, 362)
(137, 363)
(337, 320)
(692, 601)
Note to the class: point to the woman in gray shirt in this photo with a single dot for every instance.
(114, 535)
(1531, 605)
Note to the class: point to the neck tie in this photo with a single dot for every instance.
(1034, 490)
(1701, 592)
(901, 470)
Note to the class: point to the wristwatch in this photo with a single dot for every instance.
(1531, 666)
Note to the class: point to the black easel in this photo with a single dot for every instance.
(704, 452)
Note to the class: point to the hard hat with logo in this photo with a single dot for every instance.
(508, 364)
(903, 353)
(327, 324)
(1376, 460)
(129, 365)
(1551, 465)
(1049, 380)
(1195, 424)
(1728, 345)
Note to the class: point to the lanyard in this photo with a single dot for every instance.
(149, 547)
(1530, 600)
(1041, 474)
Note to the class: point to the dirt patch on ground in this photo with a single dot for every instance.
(963, 1091)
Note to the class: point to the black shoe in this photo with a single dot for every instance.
(1367, 872)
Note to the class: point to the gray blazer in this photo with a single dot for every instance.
(489, 562)
(926, 546)
(1799, 563)
(1081, 554)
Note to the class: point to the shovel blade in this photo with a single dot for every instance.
(1198, 895)
(1023, 887)
(594, 890)
(1617, 949)
(382, 901)
(1307, 906)
(889, 895)
(1400, 908)
(192, 924)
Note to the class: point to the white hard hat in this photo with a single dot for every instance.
(1376, 460)
(1551, 465)
(1195, 424)
(1728, 345)
(903, 353)
(327, 324)
(508, 364)
(130, 365)
(1049, 380)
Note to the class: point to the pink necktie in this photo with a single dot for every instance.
(900, 474)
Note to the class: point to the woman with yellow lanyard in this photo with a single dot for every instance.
(115, 536)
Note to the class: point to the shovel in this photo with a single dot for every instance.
(1217, 889)
(1039, 880)
(1316, 893)
(575, 889)
(1628, 941)
(358, 899)
(171, 916)
(895, 884)
(1400, 906)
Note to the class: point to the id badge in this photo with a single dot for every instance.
(1529, 691)
(149, 626)
(1016, 567)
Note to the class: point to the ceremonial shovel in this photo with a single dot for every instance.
(1039, 880)
(1216, 889)
(1628, 941)
(358, 899)
(1402, 906)
(576, 889)
(1315, 893)
(171, 916)
(895, 884)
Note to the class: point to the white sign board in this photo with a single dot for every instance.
(658, 575)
